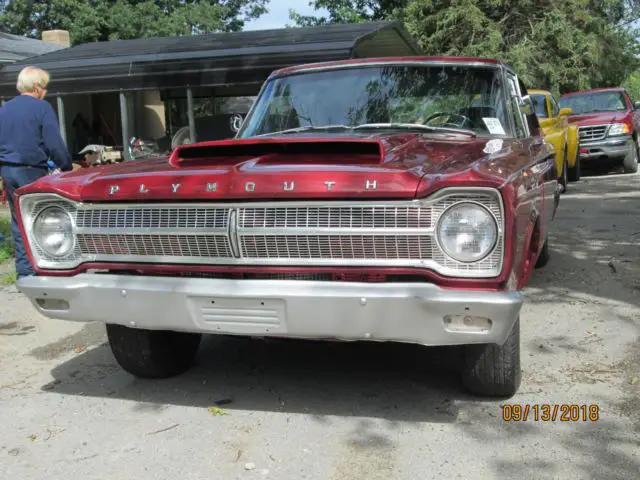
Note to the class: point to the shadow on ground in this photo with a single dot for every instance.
(387, 381)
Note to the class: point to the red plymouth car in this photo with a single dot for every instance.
(608, 125)
(390, 199)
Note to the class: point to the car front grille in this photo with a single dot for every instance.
(356, 233)
(592, 133)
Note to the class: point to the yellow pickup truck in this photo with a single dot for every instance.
(558, 131)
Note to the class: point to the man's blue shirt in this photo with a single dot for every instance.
(29, 134)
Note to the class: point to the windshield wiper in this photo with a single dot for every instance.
(307, 128)
(417, 126)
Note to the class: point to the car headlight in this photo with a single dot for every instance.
(467, 232)
(619, 129)
(53, 232)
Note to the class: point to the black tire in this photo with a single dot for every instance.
(564, 179)
(153, 353)
(491, 370)
(630, 163)
(574, 172)
(544, 256)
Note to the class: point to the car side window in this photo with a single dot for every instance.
(514, 102)
(555, 109)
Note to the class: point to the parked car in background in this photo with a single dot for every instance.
(608, 123)
(386, 199)
(559, 132)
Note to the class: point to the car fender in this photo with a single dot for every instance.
(572, 145)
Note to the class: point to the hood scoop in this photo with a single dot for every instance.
(305, 150)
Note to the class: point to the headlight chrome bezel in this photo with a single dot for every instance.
(39, 241)
(494, 224)
(31, 206)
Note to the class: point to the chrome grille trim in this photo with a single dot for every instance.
(301, 233)
(592, 133)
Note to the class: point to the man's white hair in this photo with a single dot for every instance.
(30, 78)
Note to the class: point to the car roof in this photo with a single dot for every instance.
(475, 61)
(594, 90)
(537, 91)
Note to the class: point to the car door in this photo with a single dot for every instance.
(535, 204)
(554, 132)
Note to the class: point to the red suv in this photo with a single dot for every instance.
(608, 124)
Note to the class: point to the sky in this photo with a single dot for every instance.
(278, 15)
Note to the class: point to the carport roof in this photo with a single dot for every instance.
(233, 63)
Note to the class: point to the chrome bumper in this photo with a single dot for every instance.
(616, 147)
(403, 312)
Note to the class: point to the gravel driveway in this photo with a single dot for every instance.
(297, 410)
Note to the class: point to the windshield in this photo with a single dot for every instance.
(540, 105)
(454, 96)
(594, 102)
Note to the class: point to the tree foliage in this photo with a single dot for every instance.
(559, 45)
(99, 20)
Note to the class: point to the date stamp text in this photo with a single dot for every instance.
(546, 412)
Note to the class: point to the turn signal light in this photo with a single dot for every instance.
(467, 323)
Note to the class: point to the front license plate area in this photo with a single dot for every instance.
(239, 315)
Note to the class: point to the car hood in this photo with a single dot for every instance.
(597, 118)
(298, 166)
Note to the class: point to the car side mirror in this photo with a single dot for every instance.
(636, 105)
(526, 105)
(566, 111)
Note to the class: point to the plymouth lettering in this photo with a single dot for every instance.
(287, 185)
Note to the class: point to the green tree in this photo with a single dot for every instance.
(632, 84)
(558, 45)
(99, 20)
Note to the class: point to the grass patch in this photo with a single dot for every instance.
(9, 278)
(6, 246)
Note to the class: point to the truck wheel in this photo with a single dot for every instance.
(491, 370)
(574, 173)
(544, 256)
(630, 163)
(152, 353)
(564, 177)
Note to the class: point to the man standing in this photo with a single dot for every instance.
(29, 137)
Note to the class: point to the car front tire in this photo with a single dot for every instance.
(491, 370)
(563, 180)
(574, 172)
(153, 353)
(630, 163)
(544, 256)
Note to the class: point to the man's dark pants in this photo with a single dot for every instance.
(14, 178)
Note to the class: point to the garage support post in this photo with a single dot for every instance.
(124, 120)
(61, 119)
(192, 122)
